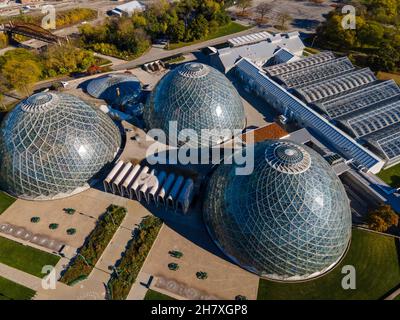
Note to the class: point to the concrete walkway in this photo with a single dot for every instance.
(393, 295)
(20, 277)
(138, 290)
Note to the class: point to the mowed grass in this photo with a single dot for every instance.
(5, 201)
(25, 258)
(13, 291)
(230, 28)
(154, 295)
(377, 272)
(391, 176)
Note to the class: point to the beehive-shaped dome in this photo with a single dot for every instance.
(288, 220)
(52, 144)
(197, 97)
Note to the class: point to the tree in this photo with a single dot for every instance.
(66, 59)
(386, 58)
(382, 218)
(3, 90)
(332, 32)
(371, 33)
(376, 223)
(199, 28)
(177, 31)
(262, 9)
(244, 4)
(22, 74)
(283, 18)
(3, 40)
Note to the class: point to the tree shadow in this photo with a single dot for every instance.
(308, 24)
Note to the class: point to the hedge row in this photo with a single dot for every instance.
(133, 258)
(94, 246)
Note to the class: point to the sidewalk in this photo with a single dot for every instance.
(20, 277)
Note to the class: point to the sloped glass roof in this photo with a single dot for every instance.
(115, 88)
(52, 144)
(288, 220)
(198, 97)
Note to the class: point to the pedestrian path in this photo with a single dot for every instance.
(20, 277)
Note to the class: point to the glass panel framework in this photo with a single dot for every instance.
(115, 88)
(197, 97)
(280, 224)
(52, 144)
(361, 98)
(315, 73)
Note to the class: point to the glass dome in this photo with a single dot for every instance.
(198, 97)
(288, 220)
(117, 88)
(52, 144)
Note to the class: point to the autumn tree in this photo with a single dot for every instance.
(382, 218)
(22, 75)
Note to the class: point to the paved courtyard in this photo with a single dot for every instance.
(305, 14)
(225, 280)
(89, 205)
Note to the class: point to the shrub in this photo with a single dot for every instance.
(69, 211)
(53, 226)
(201, 275)
(35, 219)
(71, 231)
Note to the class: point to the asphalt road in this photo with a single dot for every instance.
(157, 53)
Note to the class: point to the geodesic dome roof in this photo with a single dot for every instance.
(288, 220)
(115, 88)
(197, 97)
(52, 144)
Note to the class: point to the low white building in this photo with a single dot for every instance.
(128, 9)
(261, 48)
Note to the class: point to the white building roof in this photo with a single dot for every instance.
(248, 39)
(130, 7)
(261, 51)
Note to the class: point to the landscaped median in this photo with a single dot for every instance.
(133, 258)
(98, 240)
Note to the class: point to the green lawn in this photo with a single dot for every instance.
(25, 258)
(230, 28)
(377, 272)
(5, 201)
(154, 295)
(391, 176)
(13, 291)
